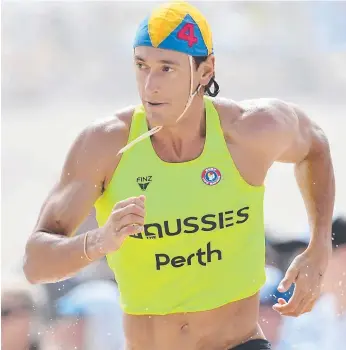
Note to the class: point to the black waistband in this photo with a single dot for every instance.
(256, 344)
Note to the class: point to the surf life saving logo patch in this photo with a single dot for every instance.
(211, 176)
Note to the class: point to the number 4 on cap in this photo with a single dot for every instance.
(187, 33)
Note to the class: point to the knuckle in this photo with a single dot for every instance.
(132, 206)
(135, 209)
(115, 213)
(130, 200)
(119, 204)
(139, 210)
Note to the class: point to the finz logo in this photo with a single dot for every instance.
(211, 176)
(143, 182)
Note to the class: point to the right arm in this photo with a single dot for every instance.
(52, 252)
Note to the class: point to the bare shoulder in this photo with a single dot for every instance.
(263, 124)
(257, 116)
(113, 129)
(99, 142)
(229, 110)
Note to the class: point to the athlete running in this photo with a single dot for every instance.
(189, 255)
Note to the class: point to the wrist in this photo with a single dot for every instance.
(322, 243)
(321, 248)
(94, 247)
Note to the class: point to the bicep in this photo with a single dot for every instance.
(79, 186)
(67, 205)
(307, 139)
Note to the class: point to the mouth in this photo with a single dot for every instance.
(155, 104)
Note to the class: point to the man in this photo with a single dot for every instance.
(22, 314)
(189, 256)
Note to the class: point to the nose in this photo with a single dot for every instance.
(152, 84)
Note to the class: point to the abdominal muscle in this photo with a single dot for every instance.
(218, 329)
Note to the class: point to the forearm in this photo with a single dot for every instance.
(315, 177)
(51, 257)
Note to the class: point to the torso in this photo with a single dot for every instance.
(225, 326)
(218, 329)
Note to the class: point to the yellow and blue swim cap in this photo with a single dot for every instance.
(176, 26)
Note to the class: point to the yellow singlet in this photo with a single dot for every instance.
(203, 243)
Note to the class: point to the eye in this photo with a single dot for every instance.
(140, 65)
(167, 69)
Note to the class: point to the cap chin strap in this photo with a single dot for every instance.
(156, 129)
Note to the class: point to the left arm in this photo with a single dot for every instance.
(309, 151)
(305, 145)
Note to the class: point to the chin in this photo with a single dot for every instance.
(160, 119)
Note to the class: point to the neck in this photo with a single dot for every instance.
(190, 125)
(180, 141)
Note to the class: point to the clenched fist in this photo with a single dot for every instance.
(126, 218)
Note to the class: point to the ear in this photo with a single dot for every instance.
(207, 69)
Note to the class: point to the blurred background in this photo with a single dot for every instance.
(67, 63)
